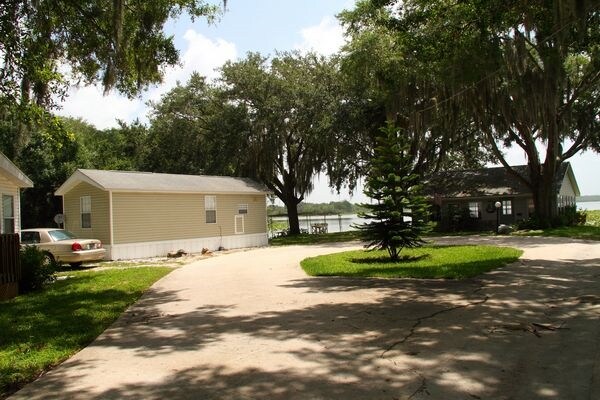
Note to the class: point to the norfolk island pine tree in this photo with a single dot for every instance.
(398, 214)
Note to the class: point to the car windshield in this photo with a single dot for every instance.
(60, 234)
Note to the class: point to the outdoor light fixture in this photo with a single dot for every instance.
(497, 205)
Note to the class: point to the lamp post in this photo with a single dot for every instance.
(497, 205)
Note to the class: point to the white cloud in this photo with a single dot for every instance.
(201, 54)
(89, 103)
(325, 38)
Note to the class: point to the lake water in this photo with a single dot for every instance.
(344, 222)
(588, 205)
(335, 223)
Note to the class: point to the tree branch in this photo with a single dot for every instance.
(592, 79)
(502, 160)
(575, 148)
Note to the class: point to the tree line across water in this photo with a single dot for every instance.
(331, 208)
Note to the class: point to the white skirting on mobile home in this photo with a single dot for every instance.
(161, 249)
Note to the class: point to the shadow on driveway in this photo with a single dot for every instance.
(527, 331)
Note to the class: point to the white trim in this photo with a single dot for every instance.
(74, 180)
(509, 208)
(213, 201)
(162, 248)
(12, 196)
(111, 228)
(235, 223)
(81, 212)
(18, 211)
(15, 175)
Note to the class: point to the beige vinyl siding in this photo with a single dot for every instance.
(8, 188)
(255, 221)
(148, 217)
(100, 212)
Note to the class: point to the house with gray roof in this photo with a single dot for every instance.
(466, 199)
(141, 214)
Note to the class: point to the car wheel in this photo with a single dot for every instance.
(75, 264)
(48, 259)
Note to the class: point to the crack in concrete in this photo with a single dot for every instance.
(421, 389)
(421, 319)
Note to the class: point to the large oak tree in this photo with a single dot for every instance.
(289, 104)
(526, 74)
(48, 45)
(395, 76)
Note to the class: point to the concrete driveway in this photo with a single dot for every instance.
(252, 325)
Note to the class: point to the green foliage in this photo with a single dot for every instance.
(120, 148)
(37, 269)
(567, 216)
(48, 157)
(277, 226)
(429, 262)
(519, 74)
(397, 74)
(120, 44)
(592, 218)
(194, 130)
(41, 329)
(586, 226)
(580, 217)
(399, 213)
(287, 104)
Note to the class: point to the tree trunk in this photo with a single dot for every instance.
(544, 196)
(292, 210)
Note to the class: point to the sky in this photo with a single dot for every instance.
(263, 26)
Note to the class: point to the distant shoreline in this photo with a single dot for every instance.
(586, 199)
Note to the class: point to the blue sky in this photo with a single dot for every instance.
(266, 25)
(259, 26)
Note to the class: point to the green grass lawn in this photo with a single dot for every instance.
(576, 232)
(450, 262)
(589, 231)
(41, 329)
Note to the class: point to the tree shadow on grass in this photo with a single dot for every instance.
(386, 260)
(52, 324)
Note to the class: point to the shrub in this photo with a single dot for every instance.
(567, 216)
(592, 217)
(37, 269)
(581, 217)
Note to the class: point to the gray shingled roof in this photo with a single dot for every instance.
(494, 181)
(158, 182)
